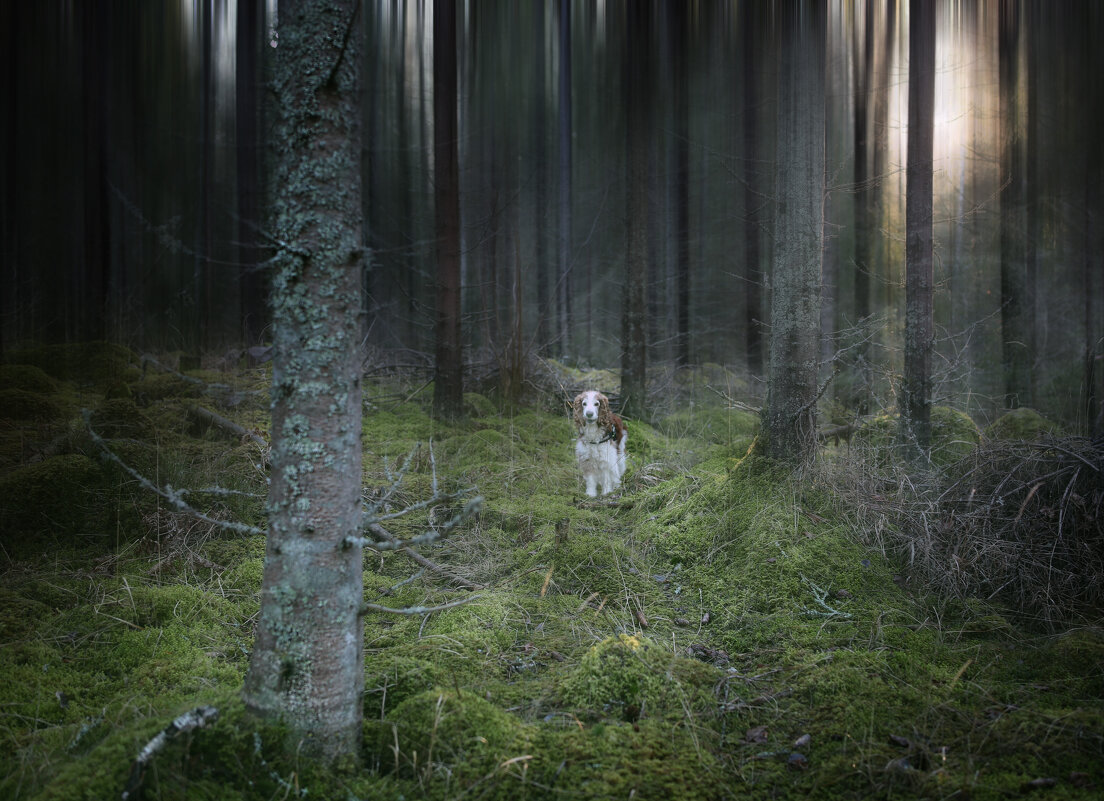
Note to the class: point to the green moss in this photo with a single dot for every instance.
(119, 418)
(1021, 424)
(166, 385)
(96, 363)
(18, 404)
(27, 378)
(720, 425)
(62, 496)
(954, 436)
(476, 405)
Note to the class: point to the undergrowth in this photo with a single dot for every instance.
(720, 630)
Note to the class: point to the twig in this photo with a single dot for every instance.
(819, 596)
(416, 610)
(198, 718)
(217, 420)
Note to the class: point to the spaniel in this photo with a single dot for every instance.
(600, 446)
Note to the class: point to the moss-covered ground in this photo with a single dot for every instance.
(717, 630)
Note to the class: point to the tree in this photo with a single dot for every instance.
(307, 663)
(448, 386)
(634, 323)
(916, 406)
(563, 282)
(753, 275)
(250, 25)
(1015, 336)
(790, 413)
(677, 22)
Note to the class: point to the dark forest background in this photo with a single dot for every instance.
(135, 141)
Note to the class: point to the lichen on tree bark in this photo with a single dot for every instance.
(307, 663)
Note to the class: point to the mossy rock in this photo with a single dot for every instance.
(718, 425)
(62, 495)
(98, 363)
(1021, 424)
(476, 405)
(19, 404)
(27, 378)
(119, 418)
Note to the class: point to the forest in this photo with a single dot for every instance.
(298, 296)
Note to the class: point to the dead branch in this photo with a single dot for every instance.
(198, 718)
(203, 415)
(383, 533)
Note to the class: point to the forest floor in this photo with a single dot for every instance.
(716, 630)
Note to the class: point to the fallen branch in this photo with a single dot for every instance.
(380, 531)
(218, 421)
(198, 718)
(416, 610)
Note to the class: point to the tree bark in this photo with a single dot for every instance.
(634, 324)
(753, 200)
(790, 412)
(307, 663)
(448, 386)
(250, 27)
(565, 153)
(678, 32)
(916, 409)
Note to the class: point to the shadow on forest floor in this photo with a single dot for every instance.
(718, 630)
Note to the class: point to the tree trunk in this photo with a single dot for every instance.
(448, 380)
(565, 153)
(753, 200)
(916, 409)
(1013, 272)
(864, 211)
(250, 28)
(546, 318)
(790, 412)
(634, 324)
(307, 665)
(678, 25)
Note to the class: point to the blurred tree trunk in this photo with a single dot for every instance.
(1015, 358)
(199, 337)
(865, 213)
(253, 297)
(753, 198)
(916, 409)
(677, 26)
(307, 665)
(538, 173)
(564, 283)
(448, 377)
(634, 323)
(790, 413)
(91, 298)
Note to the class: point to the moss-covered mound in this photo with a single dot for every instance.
(27, 378)
(61, 497)
(19, 404)
(96, 363)
(1023, 424)
(954, 436)
(723, 426)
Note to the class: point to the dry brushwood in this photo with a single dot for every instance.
(1024, 521)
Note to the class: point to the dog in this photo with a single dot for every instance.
(600, 444)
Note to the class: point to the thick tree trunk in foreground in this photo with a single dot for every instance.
(307, 664)
(799, 230)
(448, 379)
(916, 409)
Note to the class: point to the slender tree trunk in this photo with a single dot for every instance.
(634, 324)
(307, 666)
(565, 153)
(916, 411)
(546, 318)
(448, 386)
(753, 200)
(1014, 354)
(93, 288)
(790, 413)
(864, 209)
(677, 21)
(250, 28)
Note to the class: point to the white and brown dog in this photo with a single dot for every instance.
(600, 446)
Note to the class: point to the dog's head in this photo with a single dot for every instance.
(592, 407)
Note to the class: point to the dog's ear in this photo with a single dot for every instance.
(577, 405)
(605, 414)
